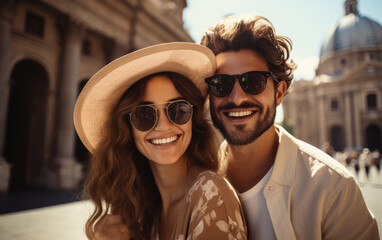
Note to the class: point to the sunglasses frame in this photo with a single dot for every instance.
(240, 77)
(156, 107)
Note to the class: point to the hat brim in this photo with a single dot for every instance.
(103, 91)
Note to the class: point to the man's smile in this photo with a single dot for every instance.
(235, 114)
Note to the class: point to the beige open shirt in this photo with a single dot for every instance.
(312, 196)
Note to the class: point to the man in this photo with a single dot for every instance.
(288, 188)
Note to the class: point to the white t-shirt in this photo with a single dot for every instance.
(256, 212)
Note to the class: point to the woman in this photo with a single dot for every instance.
(153, 153)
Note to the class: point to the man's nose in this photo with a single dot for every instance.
(237, 95)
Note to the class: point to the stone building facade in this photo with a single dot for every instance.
(342, 105)
(48, 50)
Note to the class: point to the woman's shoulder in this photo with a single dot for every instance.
(211, 176)
(213, 209)
(210, 185)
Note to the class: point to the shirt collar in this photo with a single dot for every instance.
(286, 158)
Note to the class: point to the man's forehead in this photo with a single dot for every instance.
(238, 62)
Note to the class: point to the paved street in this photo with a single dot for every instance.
(60, 222)
(66, 221)
(372, 191)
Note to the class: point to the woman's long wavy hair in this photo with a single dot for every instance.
(257, 33)
(120, 180)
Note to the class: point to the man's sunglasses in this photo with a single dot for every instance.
(145, 117)
(253, 83)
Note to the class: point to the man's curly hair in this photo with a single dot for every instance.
(257, 33)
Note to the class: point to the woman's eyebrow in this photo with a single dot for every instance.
(145, 103)
(178, 98)
(170, 100)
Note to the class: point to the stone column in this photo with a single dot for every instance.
(69, 170)
(348, 120)
(322, 123)
(6, 18)
(313, 127)
(357, 118)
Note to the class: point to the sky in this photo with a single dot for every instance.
(305, 22)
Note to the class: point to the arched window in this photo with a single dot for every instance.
(371, 101)
(334, 104)
(86, 47)
(373, 137)
(337, 138)
(34, 24)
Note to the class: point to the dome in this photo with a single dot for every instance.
(352, 31)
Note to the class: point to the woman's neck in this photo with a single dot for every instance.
(173, 181)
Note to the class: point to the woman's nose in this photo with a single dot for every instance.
(163, 123)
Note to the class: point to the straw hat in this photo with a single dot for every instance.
(103, 91)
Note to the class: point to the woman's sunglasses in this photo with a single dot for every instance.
(145, 117)
(253, 83)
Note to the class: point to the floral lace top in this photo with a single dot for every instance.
(211, 210)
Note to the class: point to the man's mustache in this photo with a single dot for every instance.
(231, 106)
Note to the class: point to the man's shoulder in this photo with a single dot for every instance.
(323, 187)
(316, 158)
(315, 154)
(319, 160)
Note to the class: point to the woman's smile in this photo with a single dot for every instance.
(164, 141)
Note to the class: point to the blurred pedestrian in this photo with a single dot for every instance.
(377, 160)
(366, 161)
(328, 148)
(354, 157)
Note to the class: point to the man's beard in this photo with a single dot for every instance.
(240, 136)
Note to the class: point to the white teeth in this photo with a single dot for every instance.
(240, 114)
(163, 141)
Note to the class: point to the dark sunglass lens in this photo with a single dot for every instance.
(179, 112)
(254, 83)
(143, 118)
(221, 86)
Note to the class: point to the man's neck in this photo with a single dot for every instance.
(248, 164)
